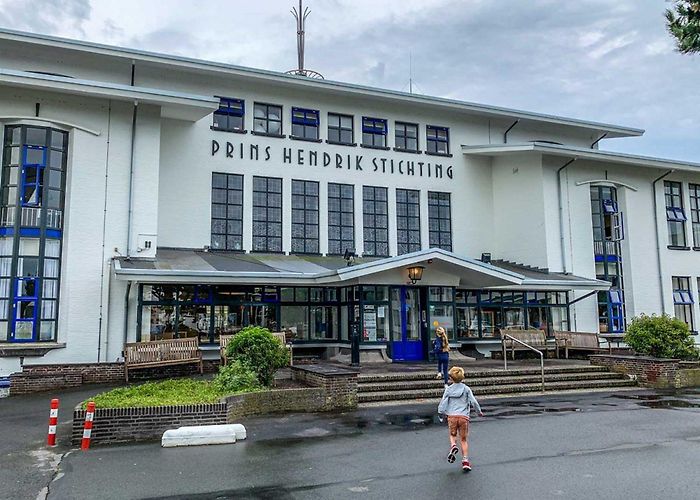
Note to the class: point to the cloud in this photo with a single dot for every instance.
(592, 59)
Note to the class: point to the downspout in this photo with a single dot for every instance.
(104, 232)
(131, 166)
(599, 139)
(505, 135)
(561, 215)
(658, 240)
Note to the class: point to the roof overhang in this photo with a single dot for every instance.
(175, 105)
(594, 155)
(203, 66)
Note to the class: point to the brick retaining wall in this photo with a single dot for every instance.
(339, 384)
(652, 372)
(40, 378)
(121, 425)
(305, 399)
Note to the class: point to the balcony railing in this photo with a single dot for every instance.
(31, 217)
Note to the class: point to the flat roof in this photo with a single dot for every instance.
(174, 104)
(580, 153)
(204, 65)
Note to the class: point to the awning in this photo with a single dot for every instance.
(441, 268)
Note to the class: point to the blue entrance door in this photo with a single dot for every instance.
(405, 307)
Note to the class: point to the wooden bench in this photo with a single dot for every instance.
(576, 341)
(618, 338)
(534, 338)
(225, 339)
(162, 353)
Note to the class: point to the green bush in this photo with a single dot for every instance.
(235, 377)
(257, 349)
(661, 337)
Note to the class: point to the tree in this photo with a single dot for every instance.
(683, 22)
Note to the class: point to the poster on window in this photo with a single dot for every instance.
(369, 319)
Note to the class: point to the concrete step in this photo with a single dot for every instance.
(471, 374)
(401, 385)
(436, 393)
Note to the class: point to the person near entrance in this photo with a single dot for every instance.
(456, 403)
(441, 349)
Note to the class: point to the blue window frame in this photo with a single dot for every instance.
(610, 207)
(305, 124)
(675, 214)
(374, 132)
(683, 299)
(437, 140)
(33, 165)
(230, 115)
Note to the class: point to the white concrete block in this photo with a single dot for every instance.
(203, 435)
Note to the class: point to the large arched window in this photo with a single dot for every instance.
(31, 229)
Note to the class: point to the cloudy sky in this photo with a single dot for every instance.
(602, 60)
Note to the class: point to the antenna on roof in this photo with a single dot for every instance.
(301, 15)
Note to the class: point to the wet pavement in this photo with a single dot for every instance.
(640, 444)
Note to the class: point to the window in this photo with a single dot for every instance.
(438, 140)
(695, 212)
(340, 129)
(375, 208)
(267, 119)
(406, 137)
(675, 215)
(683, 299)
(407, 220)
(304, 124)
(439, 221)
(341, 218)
(374, 132)
(230, 115)
(226, 212)
(305, 216)
(267, 214)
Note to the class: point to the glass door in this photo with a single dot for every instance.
(406, 316)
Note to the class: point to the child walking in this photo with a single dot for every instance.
(441, 349)
(456, 403)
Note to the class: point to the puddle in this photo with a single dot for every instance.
(670, 403)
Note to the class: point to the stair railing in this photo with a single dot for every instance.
(505, 354)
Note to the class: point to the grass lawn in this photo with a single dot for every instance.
(163, 393)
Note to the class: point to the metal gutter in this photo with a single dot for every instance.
(658, 240)
(197, 64)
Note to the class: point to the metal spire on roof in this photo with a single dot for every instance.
(301, 15)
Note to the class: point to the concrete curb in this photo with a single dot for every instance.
(203, 435)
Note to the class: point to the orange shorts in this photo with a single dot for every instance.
(458, 424)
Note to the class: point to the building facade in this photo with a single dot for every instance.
(147, 196)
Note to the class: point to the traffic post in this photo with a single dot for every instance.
(87, 429)
(53, 422)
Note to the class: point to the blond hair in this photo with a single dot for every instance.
(456, 374)
(442, 333)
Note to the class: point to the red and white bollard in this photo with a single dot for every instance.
(87, 429)
(53, 422)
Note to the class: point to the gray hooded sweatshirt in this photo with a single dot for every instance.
(457, 400)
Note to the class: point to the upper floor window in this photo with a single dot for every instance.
(304, 123)
(226, 212)
(305, 216)
(230, 115)
(407, 220)
(437, 139)
(675, 214)
(375, 216)
(267, 214)
(341, 218)
(406, 137)
(374, 132)
(683, 299)
(695, 212)
(340, 129)
(606, 217)
(267, 119)
(440, 220)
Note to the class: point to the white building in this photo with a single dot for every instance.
(148, 196)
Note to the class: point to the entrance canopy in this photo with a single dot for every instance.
(440, 268)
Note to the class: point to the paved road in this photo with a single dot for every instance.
(627, 445)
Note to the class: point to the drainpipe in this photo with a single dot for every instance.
(505, 135)
(599, 139)
(126, 312)
(658, 240)
(104, 232)
(131, 165)
(561, 215)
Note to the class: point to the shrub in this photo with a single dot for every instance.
(661, 337)
(162, 393)
(257, 349)
(235, 377)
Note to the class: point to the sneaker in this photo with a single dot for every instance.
(466, 466)
(438, 376)
(452, 455)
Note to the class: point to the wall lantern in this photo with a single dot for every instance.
(415, 273)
